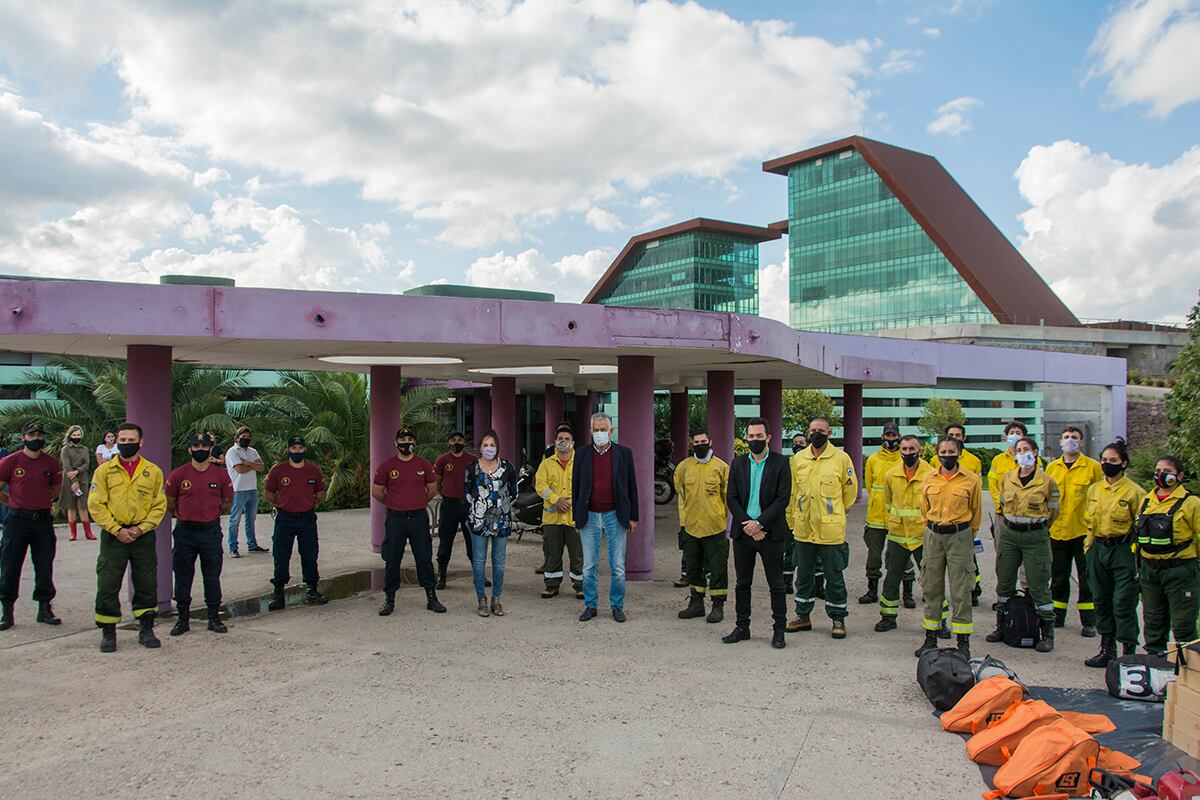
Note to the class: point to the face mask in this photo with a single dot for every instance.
(1070, 446)
(910, 459)
(1026, 460)
(562, 447)
(129, 449)
(600, 438)
(76, 440)
(35, 444)
(757, 446)
(200, 456)
(796, 448)
(488, 451)
(1165, 480)
(891, 444)
(244, 441)
(405, 449)
(456, 448)
(1111, 470)
(702, 450)
(818, 439)
(296, 457)
(949, 462)
(1013, 438)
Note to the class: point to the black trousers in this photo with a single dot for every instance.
(745, 552)
(451, 520)
(302, 530)
(192, 540)
(401, 528)
(36, 536)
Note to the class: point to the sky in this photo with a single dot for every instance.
(377, 146)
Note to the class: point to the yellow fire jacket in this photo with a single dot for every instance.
(902, 496)
(1073, 483)
(1111, 508)
(553, 482)
(823, 488)
(877, 466)
(702, 488)
(1001, 466)
(117, 500)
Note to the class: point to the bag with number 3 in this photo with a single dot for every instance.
(1139, 677)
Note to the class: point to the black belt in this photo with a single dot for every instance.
(453, 500)
(25, 513)
(1167, 563)
(198, 526)
(1113, 541)
(405, 514)
(948, 529)
(296, 514)
(1024, 526)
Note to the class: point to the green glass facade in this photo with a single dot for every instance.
(697, 270)
(859, 261)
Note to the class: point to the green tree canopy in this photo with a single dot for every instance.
(1183, 403)
(697, 414)
(802, 406)
(940, 412)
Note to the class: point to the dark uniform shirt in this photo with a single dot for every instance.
(404, 483)
(198, 494)
(450, 470)
(295, 488)
(31, 481)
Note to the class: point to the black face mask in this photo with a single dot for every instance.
(949, 462)
(891, 445)
(702, 450)
(1111, 470)
(75, 440)
(244, 441)
(818, 439)
(35, 444)
(129, 449)
(200, 456)
(457, 448)
(757, 446)
(296, 457)
(910, 459)
(796, 448)
(405, 449)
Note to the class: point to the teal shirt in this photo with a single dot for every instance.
(753, 507)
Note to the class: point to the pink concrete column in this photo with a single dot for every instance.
(852, 427)
(148, 403)
(481, 413)
(770, 408)
(385, 401)
(583, 418)
(555, 411)
(680, 435)
(504, 416)
(720, 413)
(635, 399)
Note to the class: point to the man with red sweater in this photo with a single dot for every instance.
(295, 487)
(29, 482)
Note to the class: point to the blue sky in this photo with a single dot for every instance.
(374, 146)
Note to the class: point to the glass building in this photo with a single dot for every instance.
(701, 265)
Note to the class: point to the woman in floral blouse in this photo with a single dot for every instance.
(491, 487)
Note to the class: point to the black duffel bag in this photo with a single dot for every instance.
(944, 676)
(1139, 677)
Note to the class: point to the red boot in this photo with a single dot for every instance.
(71, 524)
(87, 531)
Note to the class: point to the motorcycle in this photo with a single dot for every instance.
(527, 506)
(664, 472)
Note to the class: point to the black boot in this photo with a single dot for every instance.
(1108, 651)
(907, 595)
(441, 584)
(1060, 618)
(214, 620)
(432, 603)
(872, 595)
(146, 637)
(389, 604)
(738, 634)
(819, 587)
(182, 623)
(46, 614)
(695, 607)
(1128, 648)
(314, 598)
(944, 631)
(108, 638)
(718, 610)
(278, 601)
(6, 616)
(998, 634)
(930, 643)
(1047, 642)
(885, 623)
(964, 645)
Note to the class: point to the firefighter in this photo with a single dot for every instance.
(702, 481)
(553, 484)
(905, 528)
(1074, 473)
(1168, 523)
(969, 462)
(875, 532)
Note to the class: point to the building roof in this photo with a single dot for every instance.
(488, 292)
(1006, 283)
(752, 232)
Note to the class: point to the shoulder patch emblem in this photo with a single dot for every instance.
(186, 485)
(145, 473)
(394, 474)
(449, 467)
(19, 472)
(285, 481)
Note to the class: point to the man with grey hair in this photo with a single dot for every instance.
(605, 503)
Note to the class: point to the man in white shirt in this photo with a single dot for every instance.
(244, 464)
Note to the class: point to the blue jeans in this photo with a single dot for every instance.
(479, 548)
(244, 504)
(589, 535)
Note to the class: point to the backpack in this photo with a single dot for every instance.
(985, 703)
(988, 667)
(1019, 621)
(944, 676)
(1057, 758)
(1139, 677)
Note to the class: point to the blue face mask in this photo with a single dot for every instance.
(1013, 438)
(600, 438)
(1026, 460)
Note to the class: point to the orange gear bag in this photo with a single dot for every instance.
(996, 743)
(1056, 758)
(985, 703)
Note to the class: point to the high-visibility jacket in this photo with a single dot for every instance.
(967, 460)
(1025, 504)
(902, 497)
(552, 482)
(878, 465)
(823, 488)
(702, 487)
(953, 500)
(1002, 464)
(1073, 483)
(117, 500)
(1111, 508)
(1185, 521)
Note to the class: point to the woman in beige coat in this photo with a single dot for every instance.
(76, 464)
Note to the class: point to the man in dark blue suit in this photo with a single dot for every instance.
(605, 502)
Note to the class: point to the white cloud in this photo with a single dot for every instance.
(773, 291)
(1148, 51)
(569, 278)
(900, 61)
(482, 119)
(1114, 240)
(655, 210)
(932, 33)
(602, 220)
(952, 117)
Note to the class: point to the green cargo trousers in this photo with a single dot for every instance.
(1112, 574)
(898, 561)
(707, 558)
(1015, 549)
(554, 538)
(1063, 555)
(142, 561)
(1170, 601)
(948, 562)
(833, 558)
(789, 565)
(874, 538)
(683, 556)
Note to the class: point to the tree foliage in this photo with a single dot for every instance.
(940, 412)
(802, 406)
(1183, 403)
(697, 414)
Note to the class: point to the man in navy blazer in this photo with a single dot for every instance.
(605, 502)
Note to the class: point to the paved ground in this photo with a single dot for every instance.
(337, 701)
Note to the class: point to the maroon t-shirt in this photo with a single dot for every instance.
(404, 482)
(198, 493)
(30, 480)
(295, 488)
(602, 499)
(450, 470)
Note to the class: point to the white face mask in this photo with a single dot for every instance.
(1013, 438)
(1026, 460)
(600, 438)
(1070, 446)
(488, 452)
